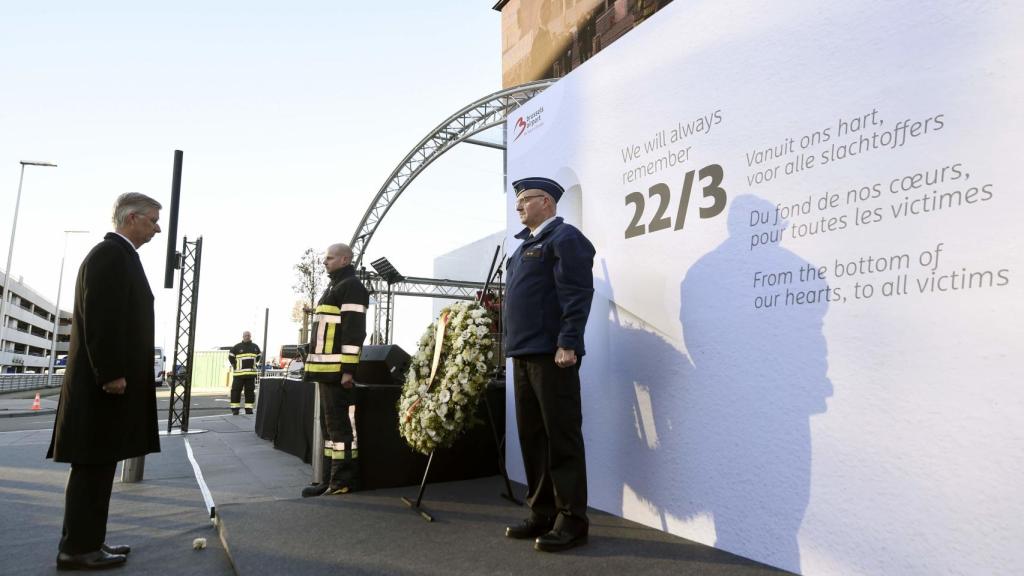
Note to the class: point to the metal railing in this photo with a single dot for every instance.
(16, 382)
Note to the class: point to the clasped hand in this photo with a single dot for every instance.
(115, 386)
(565, 357)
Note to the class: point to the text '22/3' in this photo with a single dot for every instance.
(660, 221)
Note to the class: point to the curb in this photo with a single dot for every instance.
(20, 413)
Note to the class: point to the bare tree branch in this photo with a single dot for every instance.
(309, 277)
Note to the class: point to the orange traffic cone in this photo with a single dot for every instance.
(35, 403)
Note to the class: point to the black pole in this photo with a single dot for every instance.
(172, 228)
(423, 487)
(499, 445)
(263, 362)
(490, 274)
(387, 317)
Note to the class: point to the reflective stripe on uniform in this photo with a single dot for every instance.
(323, 358)
(336, 450)
(327, 309)
(350, 359)
(329, 341)
(353, 308)
(328, 318)
(323, 367)
(245, 364)
(349, 349)
(319, 347)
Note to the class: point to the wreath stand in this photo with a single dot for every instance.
(498, 444)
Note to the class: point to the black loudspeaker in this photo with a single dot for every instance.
(382, 364)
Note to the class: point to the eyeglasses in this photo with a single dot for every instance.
(525, 199)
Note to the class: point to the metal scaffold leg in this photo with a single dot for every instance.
(185, 336)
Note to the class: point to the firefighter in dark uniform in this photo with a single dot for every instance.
(339, 327)
(548, 291)
(244, 358)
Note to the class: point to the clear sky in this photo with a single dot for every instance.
(291, 116)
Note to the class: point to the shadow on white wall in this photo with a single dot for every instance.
(721, 431)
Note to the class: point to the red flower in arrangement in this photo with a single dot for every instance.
(492, 303)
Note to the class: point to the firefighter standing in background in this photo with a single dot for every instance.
(339, 327)
(244, 358)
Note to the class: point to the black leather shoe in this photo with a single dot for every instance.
(344, 487)
(558, 540)
(315, 489)
(123, 549)
(248, 410)
(97, 560)
(530, 528)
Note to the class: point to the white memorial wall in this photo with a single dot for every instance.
(806, 338)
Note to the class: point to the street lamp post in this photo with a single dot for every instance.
(10, 250)
(56, 317)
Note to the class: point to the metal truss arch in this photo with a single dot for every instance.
(485, 113)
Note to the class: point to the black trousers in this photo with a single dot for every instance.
(86, 503)
(335, 401)
(248, 383)
(550, 421)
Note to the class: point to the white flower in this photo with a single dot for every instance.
(439, 413)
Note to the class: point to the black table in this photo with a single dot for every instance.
(284, 415)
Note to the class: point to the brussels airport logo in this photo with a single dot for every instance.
(520, 127)
(528, 124)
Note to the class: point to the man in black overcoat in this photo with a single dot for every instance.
(107, 409)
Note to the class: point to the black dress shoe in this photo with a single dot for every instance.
(530, 528)
(558, 540)
(117, 549)
(97, 560)
(315, 489)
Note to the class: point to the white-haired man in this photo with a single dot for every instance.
(107, 408)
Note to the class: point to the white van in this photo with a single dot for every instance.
(158, 365)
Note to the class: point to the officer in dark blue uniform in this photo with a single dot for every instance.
(549, 288)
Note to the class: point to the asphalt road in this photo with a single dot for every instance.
(204, 403)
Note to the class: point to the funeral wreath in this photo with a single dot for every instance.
(446, 377)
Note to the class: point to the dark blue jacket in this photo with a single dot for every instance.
(549, 286)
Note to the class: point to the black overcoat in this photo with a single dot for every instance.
(111, 337)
